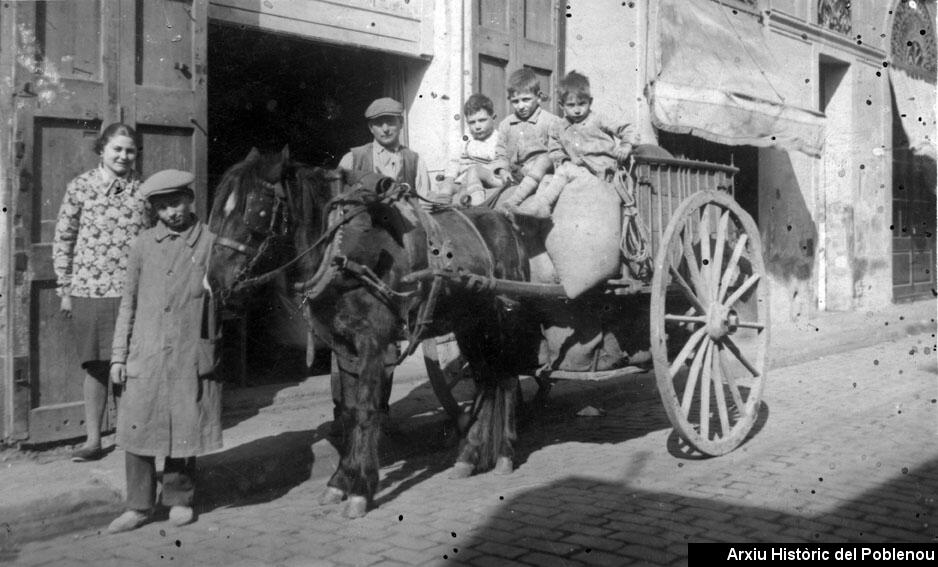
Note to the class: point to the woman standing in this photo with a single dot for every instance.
(101, 214)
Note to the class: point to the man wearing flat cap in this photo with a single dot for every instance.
(385, 154)
(164, 353)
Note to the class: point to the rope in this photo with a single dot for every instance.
(635, 236)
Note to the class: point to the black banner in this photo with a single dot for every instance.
(825, 553)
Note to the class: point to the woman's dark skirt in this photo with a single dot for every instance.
(93, 320)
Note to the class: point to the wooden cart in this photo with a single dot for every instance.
(709, 304)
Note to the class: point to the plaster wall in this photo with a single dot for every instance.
(606, 41)
(434, 90)
(871, 267)
(788, 212)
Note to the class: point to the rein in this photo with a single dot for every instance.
(331, 262)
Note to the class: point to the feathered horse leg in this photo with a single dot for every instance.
(362, 397)
(491, 353)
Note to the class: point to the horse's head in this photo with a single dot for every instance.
(260, 204)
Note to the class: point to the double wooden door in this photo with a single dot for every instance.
(80, 66)
(509, 35)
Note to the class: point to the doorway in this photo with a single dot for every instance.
(267, 91)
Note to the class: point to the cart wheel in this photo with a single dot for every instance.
(710, 305)
(445, 369)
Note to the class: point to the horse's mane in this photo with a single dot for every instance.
(270, 167)
(242, 174)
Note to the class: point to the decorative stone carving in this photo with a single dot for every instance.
(835, 15)
(913, 37)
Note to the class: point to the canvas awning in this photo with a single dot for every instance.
(717, 79)
(915, 100)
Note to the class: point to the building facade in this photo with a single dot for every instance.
(826, 106)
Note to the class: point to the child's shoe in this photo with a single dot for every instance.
(129, 520)
(537, 207)
(181, 515)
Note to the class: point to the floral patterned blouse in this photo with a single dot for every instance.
(100, 216)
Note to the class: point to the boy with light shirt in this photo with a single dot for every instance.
(469, 174)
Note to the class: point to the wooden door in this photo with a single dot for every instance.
(164, 91)
(509, 35)
(913, 226)
(65, 93)
(82, 73)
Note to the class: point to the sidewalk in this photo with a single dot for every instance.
(276, 435)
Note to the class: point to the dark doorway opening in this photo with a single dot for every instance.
(746, 158)
(266, 91)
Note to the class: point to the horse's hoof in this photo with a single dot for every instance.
(356, 507)
(504, 466)
(460, 470)
(331, 495)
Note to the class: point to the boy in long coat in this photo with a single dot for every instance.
(164, 354)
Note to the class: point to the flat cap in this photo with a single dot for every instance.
(166, 181)
(384, 106)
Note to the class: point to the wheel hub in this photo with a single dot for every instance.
(721, 321)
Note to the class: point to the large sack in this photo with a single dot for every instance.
(584, 240)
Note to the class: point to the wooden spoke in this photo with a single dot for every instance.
(685, 319)
(703, 231)
(731, 346)
(705, 391)
(731, 265)
(692, 376)
(730, 380)
(720, 395)
(718, 253)
(685, 287)
(742, 289)
(692, 265)
(685, 352)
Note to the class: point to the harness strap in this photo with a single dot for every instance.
(235, 245)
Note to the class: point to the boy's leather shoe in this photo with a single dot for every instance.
(84, 454)
(534, 207)
(129, 520)
(181, 515)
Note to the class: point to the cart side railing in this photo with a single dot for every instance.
(662, 184)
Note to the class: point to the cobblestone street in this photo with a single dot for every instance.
(845, 452)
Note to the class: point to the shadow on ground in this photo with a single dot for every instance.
(581, 520)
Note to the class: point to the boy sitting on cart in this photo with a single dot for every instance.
(521, 153)
(470, 175)
(582, 143)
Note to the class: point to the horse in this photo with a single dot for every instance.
(367, 257)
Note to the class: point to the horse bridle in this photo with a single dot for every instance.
(335, 218)
(276, 227)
